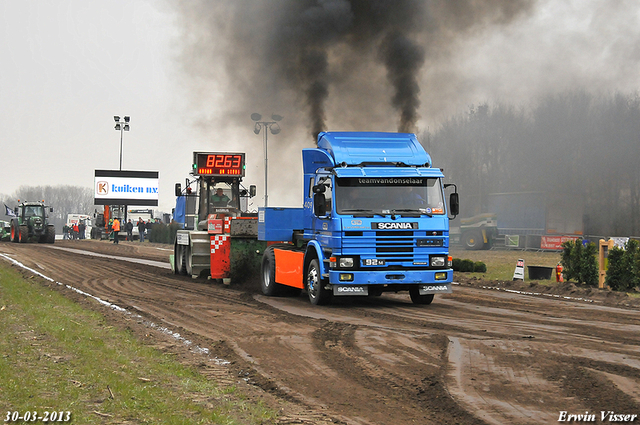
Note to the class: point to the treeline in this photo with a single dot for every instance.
(64, 200)
(569, 143)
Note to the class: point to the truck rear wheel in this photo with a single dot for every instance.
(416, 298)
(23, 234)
(268, 274)
(318, 295)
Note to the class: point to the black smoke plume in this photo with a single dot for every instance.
(310, 52)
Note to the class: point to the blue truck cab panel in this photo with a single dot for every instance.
(376, 207)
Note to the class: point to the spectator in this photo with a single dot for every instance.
(141, 227)
(116, 229)
(75, 231)
(81, 228)
(149, 227)
(129, 228)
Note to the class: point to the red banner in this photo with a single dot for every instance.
(555, 242)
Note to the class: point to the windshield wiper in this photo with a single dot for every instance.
(361, 213)
(413, 211)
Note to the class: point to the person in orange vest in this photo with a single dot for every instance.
(116, 229)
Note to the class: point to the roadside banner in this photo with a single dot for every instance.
(555, 242)
(518, 274)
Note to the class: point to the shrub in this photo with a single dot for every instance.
(616, 274)
(479, 267)
(624, 267)
(460, 265)
(456, 264)
(466, 265)
(580, 262)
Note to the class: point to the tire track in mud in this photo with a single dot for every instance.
(471, 357)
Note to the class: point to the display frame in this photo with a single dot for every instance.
(219, 164)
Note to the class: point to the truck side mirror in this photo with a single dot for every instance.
(178, 189)
(319, 204)
(51, 209)
(319, 188)
(454, 204)
(252, 190)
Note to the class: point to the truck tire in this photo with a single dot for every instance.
(472, 240)
(318, 295)
(23, 234)
(268, 274)
(51, 234)
(179, 261)
(416, 298)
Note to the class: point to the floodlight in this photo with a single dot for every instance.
(276, 117)
(126, 127)
(256, 129)
(256, 117)
(116, 118)
(118, 126)
(126, 119)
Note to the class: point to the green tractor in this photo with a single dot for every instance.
(5, 230)
(32, 222)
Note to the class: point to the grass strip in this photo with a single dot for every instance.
(57, 356)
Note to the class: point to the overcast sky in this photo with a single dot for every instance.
(69, 66)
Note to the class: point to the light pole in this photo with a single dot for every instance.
(274, 127)
(122, 126)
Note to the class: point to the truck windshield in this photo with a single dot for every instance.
(421, 195)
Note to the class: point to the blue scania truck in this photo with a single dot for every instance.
(374, 220)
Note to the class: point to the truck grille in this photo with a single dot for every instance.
(393, 246)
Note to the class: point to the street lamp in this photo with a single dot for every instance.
(274, 127)
(122, 126)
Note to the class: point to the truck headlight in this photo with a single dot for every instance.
(438, 261)
(346, 262)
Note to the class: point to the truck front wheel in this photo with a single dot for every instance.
(416, 298)
(318, 295)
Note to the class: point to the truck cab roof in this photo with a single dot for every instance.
(373, 148)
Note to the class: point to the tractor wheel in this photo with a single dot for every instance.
(179, 263)
(268, 274)
(23, 234)
(51, 234)
(416, 298)
(15, 232)
(188, 260)
(318, 295)
(472, 240)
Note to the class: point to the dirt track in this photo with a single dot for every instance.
(473, 357)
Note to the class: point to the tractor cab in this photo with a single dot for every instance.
(218, 188)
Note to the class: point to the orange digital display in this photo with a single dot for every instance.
(218, 164)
